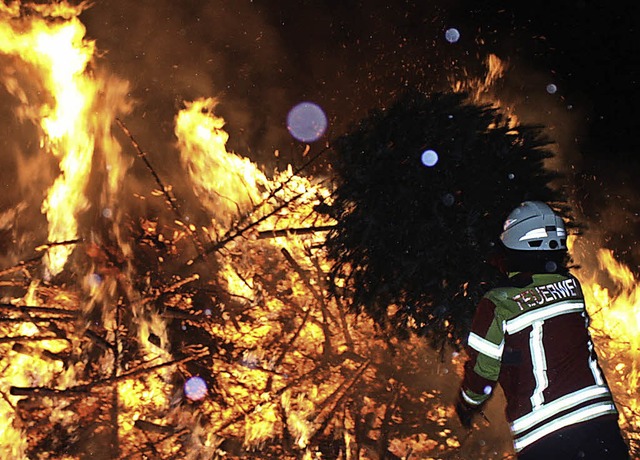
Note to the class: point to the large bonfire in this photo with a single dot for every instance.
(131, 329)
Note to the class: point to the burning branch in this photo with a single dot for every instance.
(277, 233)
(21, 266)
(343, 320)
(27, 338)
(236, 232)
(289, 344)
(154, 427)
(96, 384)
(336, 398)
(34, 260)
(46, 246)
(276, 393)
(320, 299)
(38, 309)
(283, 184)
(48, 319)
(172, 288)
(383, 442)
(169, 198)
(100, 341)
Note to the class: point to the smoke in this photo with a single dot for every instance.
(260, 58)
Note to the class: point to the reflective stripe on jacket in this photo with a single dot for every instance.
(532, 337)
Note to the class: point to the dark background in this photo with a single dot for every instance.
(352, 55)
(591, 49)
(261, 57)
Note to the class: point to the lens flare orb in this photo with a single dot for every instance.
(429, 158)
(195, 388)
(452, 35)
(448, 199)
(307, 122)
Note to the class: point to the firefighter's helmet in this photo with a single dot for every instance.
(533, 226)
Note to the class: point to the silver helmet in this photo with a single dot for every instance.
(533, 226)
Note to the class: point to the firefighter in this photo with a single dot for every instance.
(531, 335)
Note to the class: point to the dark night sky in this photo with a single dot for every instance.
(594, 51)
(590, 50)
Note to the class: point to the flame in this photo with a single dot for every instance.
(256, 380)
(74, 105)
(227, 184)
(65, 111)
(28, 365)
(481, 89)
(267, 291)
(60, 54)
(299, 411)
(615, 325)
(291, 361)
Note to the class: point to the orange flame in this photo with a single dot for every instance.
(74, 106)
(284, 338)
(61, 56)
(615, 315)
(67, 111)
(227, 184)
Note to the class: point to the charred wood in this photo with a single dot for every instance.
(26, 338)
(321, 301)
(38, 309)
(154, 427)
(48, 319)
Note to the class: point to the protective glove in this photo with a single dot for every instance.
(465, 413)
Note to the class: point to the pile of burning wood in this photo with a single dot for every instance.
(97, 368)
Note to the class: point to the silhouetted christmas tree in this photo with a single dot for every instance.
(423, 189)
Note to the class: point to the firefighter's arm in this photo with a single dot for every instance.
(484, 347)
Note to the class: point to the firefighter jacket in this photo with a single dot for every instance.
(532, 337)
